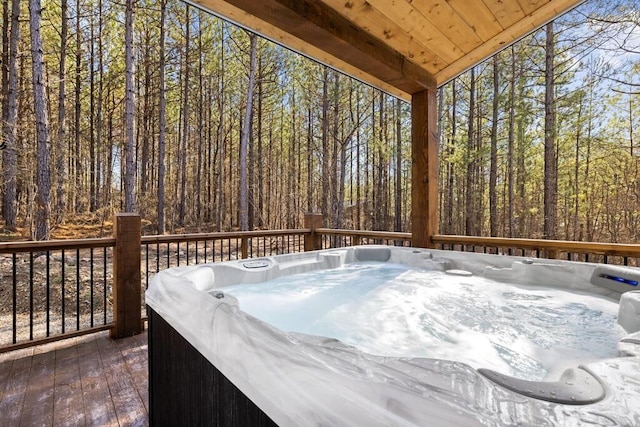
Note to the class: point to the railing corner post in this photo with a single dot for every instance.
(313, 240)
(127, 283)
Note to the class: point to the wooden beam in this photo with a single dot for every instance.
(127, 291)
(424, 168)
(313, 240)
(314, 24)
(521, 28)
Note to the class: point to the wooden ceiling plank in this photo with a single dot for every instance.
(477, 16)
(404, 18)
(369, 19)
(522, 28)
(327, 29)
(530, 6)
(506, 12)
(450, 23)
(240, 17)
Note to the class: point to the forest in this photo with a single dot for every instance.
(158, 107)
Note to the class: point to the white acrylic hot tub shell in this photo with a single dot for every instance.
(301, 380)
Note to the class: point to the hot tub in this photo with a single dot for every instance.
(377, 335)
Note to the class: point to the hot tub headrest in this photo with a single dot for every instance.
(576, 386)
(379, 254)
(619, 279)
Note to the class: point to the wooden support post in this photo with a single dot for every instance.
(127, 286)
(424, 168)
(355, 240)
(244, 247)
(312, 241)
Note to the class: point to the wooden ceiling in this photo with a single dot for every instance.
(399, 46)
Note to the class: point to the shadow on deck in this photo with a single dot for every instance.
(88, 380)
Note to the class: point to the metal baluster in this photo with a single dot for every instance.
(77, 289)
(48, 289)
(15, 296)
(62, 280)
(91, 284)
(30, 295)
(104, 282)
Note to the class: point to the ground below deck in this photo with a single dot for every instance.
(89, 380)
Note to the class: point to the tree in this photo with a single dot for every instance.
(162, 134)
(185, 120)
(61, 161)
(550, 165)
(245, 135)
(129, 147)
(10, 129)
(43, 182)
(470, 226)
(493, 176)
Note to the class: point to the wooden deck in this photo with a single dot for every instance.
(88, 380)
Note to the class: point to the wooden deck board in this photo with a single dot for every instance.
(129, 408)
(88, 380)
(37, 408)
(67, 388)
(16, 387)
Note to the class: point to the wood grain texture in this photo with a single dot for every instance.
(15, 386)
(38, 400)
(88, 380)
(127, 296)
(67, 387)
(393, 44)
(424, 168)
(129, 408)
(318, 25)
(97, 405)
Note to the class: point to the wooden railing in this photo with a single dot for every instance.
(61, 288)
(607, 253)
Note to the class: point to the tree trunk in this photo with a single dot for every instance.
(9, 128)
(325, 147)
(92, 121)
(244, 139)
(510, 150)
(398, 177)
(162, 135)
(61, 160)
(310, 205)
(43, 182)
(451, 147)
(550, 165)
(576, 171)
(129, 148)
(469, 208)
(493, 174)
(201, 125)
(185, 121)
(77, 121)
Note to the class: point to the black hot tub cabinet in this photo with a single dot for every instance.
(210, 363)
(189, 390)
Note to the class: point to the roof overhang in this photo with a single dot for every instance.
(399, 46)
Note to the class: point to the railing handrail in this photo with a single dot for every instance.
(54, 245)
(387, 235)
(611, 249)
(192, 237)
